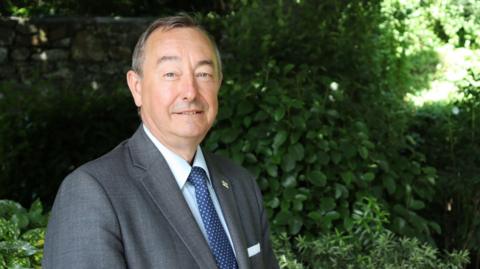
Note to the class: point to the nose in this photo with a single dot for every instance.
(189, 88)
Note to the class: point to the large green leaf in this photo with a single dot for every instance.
(229, 135)
(368, 177)
(315, 215)
(348, 177)
(297, 151)
(363, 152)
(272, 170)
(279, 139)
(327, 204)
(341, 191)
(318, 178)
(289, 181)
(279, 113)
(295, 224)
(244, 107)
(288, 163)
(389, 183)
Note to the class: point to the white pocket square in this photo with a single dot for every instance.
(253, 250)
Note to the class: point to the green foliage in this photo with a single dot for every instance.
(46, 132)
(457, 22)
(367, 245)
(313, 106)
(22, 234)
(446, 131)
(317, 116)
(29, 8)
(453, 146)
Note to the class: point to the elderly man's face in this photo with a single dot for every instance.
(178, 90)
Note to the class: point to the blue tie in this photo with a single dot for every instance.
(217, 238)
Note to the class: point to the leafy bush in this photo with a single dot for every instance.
(22, 234)
(457, 22)
(27, 8)
(312, 103)
(446, 130)
(367, 245)
(46, 132)
(313, 106)
(452, 144)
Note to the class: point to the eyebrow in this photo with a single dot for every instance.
(205, 62)
(167, 58)
(176, 58)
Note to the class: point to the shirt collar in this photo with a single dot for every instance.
(180, 168)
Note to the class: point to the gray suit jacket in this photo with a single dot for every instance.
(125, 210)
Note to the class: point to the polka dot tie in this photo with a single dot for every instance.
(217, 238)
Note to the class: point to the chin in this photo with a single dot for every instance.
(192, 133)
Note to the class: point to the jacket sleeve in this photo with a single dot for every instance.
(83, 230)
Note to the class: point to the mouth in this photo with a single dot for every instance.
(191, 112)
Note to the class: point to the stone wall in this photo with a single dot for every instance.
(85, 52)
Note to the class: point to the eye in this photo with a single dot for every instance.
(204, 76)
(170, 76)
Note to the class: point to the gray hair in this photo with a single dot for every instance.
(166, 24)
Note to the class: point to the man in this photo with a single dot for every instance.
(157, 200)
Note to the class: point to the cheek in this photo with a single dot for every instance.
(213, 113)
(213, 95)
(213, 103)
(161, 97)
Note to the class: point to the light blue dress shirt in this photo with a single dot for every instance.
(181, 170)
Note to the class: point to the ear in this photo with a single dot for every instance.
(220, 79)
(134, 82)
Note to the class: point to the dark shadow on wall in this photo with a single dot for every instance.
(70, 51)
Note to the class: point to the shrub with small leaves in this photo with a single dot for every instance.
(22, 234)
(367, 245)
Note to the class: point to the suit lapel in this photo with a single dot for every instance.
(160, 184)
(224, 189)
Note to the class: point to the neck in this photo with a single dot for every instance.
(186, 153)
(183, 147)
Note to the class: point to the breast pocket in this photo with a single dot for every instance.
(255, 256)
(253, 250)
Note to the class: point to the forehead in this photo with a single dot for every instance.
(178, 41)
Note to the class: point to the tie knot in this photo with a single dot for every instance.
(198, 176)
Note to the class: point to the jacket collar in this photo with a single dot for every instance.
(158, 181)
(224, 188)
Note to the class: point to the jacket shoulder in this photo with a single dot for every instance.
(108, 165)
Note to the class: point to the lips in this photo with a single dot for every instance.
(189, 112)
